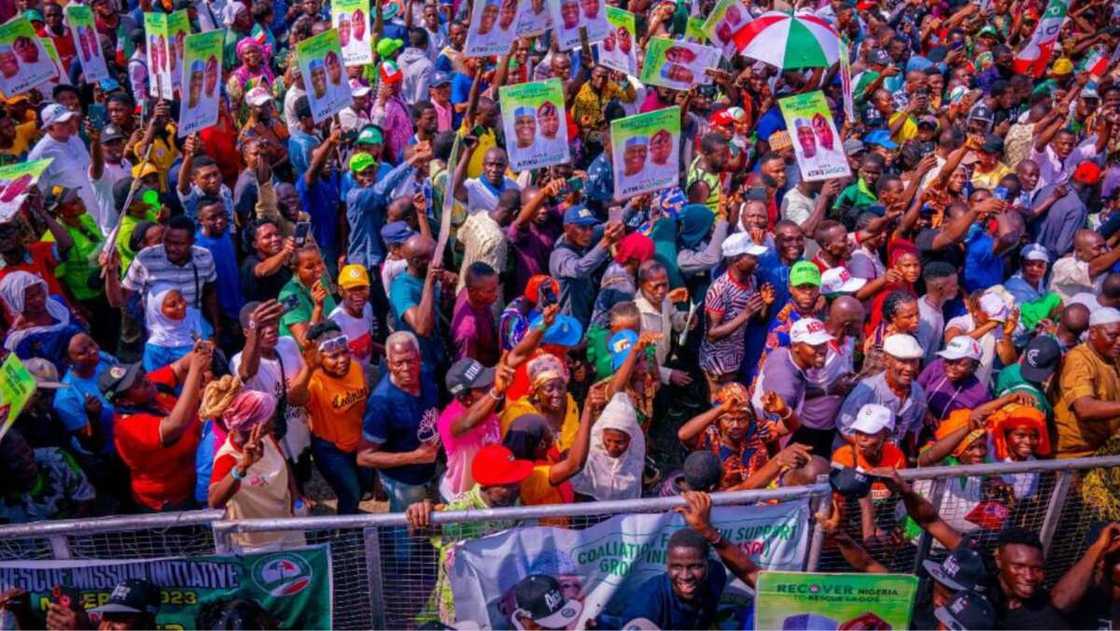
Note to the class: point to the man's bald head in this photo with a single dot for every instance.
(1088, 244)
(1110, 290)
(1075, 319)
(419, 247)
(845, 316)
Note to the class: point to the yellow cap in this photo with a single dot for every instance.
(1062, 66)
(143, 169)
(353, 276)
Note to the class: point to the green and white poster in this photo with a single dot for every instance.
(619, 50)
(569, 15)
(493, 27)
(846, 81)
(816, 143)
(727, 17)
(535, 125)
(802, 600)
(16, 387)
(351, 18)
(679, 65)
(84, 32)
(178, 28)
(24, 62)
(159, 57)
(535, 18)
(202, 68)
(16, 181)
(694, 30)
(320, 62)
(294, 586)
(645, 152)
(60, 75)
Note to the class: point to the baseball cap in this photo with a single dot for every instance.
(838, 280)
(468, 374)
(780, 141)
(873, 418)
(580, 216)
(849, 482)
(258, 96)
(118, 379)
(357, 88)
(994, 307)
(132, 596)
(1041, 358)
(879, 57)
(111, 133)
(1087, 172)
(702, 471)
(1106, 315)
(390, 72)
(494, 465)
(60, 195)
(1089, 92)
(396, 232)
(963, 569)
(565, 331)
(929, 121)
(992, 144)
(361, 161)
(539, 597)
(1062, 66)
(740, 243)
(809, 331)
(388, 46)
(369, 136)
(981, 112)
(804, 273)
(353, 275)
(1035, 252)
(960, 347)
(852, 146)
(902, 346)
(55, 113)
(880, 137)
(440, 79)
(45, 373)
(619, 346)
(967, 610)
(988, 31)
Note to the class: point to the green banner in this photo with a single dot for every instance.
(16, 387)
(24, 62)
(816, 143)
(178, 27)
(535, 125)
(159, 57)
(320, 62)
(84, 32)
(678, 65)
(351, 18)
(645, 152)
(202, 70)
(802, 600)
(619, 50)
(727, 17)
(294, 586)
(16, 181)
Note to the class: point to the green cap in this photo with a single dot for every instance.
(369, 136)
(361, 161)
(804, 273)
(386, 47)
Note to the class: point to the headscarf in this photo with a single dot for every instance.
(1015, 415)
(218, 395)
(249, 409)
(244, 75)
(162, 330)
(696, 224)
(634, 246)
(895, 251)
(736, 393)
(526, 434)
(544, 368)
(1035, 311)
(956, 420)
(13, 289)
(606, 478)
(230, 11)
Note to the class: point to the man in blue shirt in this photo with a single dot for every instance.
(213, 234)
(318, 194)
(413, 297)
(367, 202)
(303, 139)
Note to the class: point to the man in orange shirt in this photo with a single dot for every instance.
(869, 448)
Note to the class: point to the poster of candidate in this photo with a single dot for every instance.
(535, 18)
(619, 50)
(493, 28)
(84, 32)
(671, 63)
(605, 569)
(804, 600)
(178, 28)
(24, 62)
(159, 56)
(202, 66)
(351, 18)
(817, 145)
(320, 61)
(569, 15)
(645, 152)
(16, 385)
(727, 17)
(535, 125)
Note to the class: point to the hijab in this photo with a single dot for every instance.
(696, 224)
(13, 290)
(896, 250)
(603, 477)
(162, 330)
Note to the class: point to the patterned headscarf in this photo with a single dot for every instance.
(955, 421)
(1014, 415)
(249, 409)
(545, 368)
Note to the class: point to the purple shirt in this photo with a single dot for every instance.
(531, 246)
(474, 331)
(944, 396)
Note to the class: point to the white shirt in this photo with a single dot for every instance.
(353, 120)
(390, 269)
(1052, 169)
(481, 198)
(1070, 277)
(70, 168)
(288, 362)
(103, 189)
(359, 331)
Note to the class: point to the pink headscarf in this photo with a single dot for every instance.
(249, 409)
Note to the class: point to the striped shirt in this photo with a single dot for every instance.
(727, 299)
(151, 267)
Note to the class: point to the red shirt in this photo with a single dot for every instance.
(39, 260)
(220, 142)
(162, 477)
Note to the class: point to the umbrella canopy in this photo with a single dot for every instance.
(789, 41)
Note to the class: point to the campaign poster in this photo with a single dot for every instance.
(16, 181)
(61, 77)
(535, 18)
(535, 125)
(605, 567)
(159, 56)
(679, 65)
(619, 50)
(202, 70)
(320, 62)
(294, 586)
(493, 28)
(178, 28)
(804, 600)
(645, 152)
(694, 30)
(16, 387)
(817, 145)
(84, 32)
(846, 81)
(569, 15)
(351, 18)
(24, 62)
(727, 17)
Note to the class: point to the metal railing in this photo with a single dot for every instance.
(383, 576)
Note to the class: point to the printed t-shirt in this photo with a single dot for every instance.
(336, 407)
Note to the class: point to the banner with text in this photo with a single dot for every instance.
(84, 32)
(16, 387)
(493, 28)
(16, 181)
(727, 17)
(816, 143)
(320, 62)
(178, 28)
(351, 18)
(802, 600)
(678, 65)
(619, 50)
(533, 119)
(645, 152)
(535, 18)
(24, 62)
(569, 15)
(159, 56)
(202, 67)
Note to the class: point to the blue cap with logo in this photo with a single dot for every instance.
(580, 216)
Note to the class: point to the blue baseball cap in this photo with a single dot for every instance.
(109, 84)
(580, 216)
(565, 331)
(440, 78)
(880, 137)
(396, 232)
(619, 345)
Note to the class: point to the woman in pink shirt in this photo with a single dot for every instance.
(469, 422)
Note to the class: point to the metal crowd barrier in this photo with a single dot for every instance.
(382, 576)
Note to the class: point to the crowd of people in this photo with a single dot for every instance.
(277, 316)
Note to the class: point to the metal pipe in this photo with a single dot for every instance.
(116, 523)
(937, 496)
(373, 575)
(1054, 510)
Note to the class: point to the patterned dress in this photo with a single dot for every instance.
(726, 298)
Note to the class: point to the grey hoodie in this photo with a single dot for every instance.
(417, 69)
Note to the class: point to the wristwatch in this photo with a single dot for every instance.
(236, 475)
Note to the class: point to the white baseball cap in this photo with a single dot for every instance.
(994, 307)
(873, 418)
(960, 347)
(258, 96)
(55, 113)
(902, 346)
(358, 89)
(1035, 252)
(838, 280)
(809, 331)
(740, 243)
(1105, 315)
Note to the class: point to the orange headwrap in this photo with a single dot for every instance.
(1014, 415)
(956, 420)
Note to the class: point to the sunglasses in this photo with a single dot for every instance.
(335, 344)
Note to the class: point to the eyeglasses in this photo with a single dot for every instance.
(335, 344)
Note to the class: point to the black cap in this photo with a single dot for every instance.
(992, 144)
(702, 471)
(118, 379)
(879, 57)
(849, 482)
(967, 610)
(120, 193)
(539, 597)
(962, 569)
(1040, 359)
(111, 133)
(468, 374)
(132, 596)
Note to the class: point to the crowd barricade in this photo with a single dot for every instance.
(382, 577)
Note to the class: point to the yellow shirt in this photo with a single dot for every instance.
(1084, 374)
(524, 405)
(336, 407)
(26, 133)
(989, 180)
(908, 131)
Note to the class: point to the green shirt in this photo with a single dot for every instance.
(1011, 379)
(80, 265)
(124, 235)
(302, 311)
(851, 202)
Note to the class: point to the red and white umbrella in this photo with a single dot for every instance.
(789, 41)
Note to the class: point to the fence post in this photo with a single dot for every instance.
(60, 547)
(936, 495)
(819, 505)
(1054, 511)
(373, 571)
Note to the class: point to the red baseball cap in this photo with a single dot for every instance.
(494, 465)
(391, 73)
(722, 118)
(1087, 173)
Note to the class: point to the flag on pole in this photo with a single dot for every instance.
(1035, 56)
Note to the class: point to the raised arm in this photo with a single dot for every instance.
(577, 455)
(697, 514)
(174, 425)
(319, 157)
(690, 432)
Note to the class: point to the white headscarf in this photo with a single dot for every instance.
(13, 290)
(607, 478)
(230, 11)
(162, 330)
